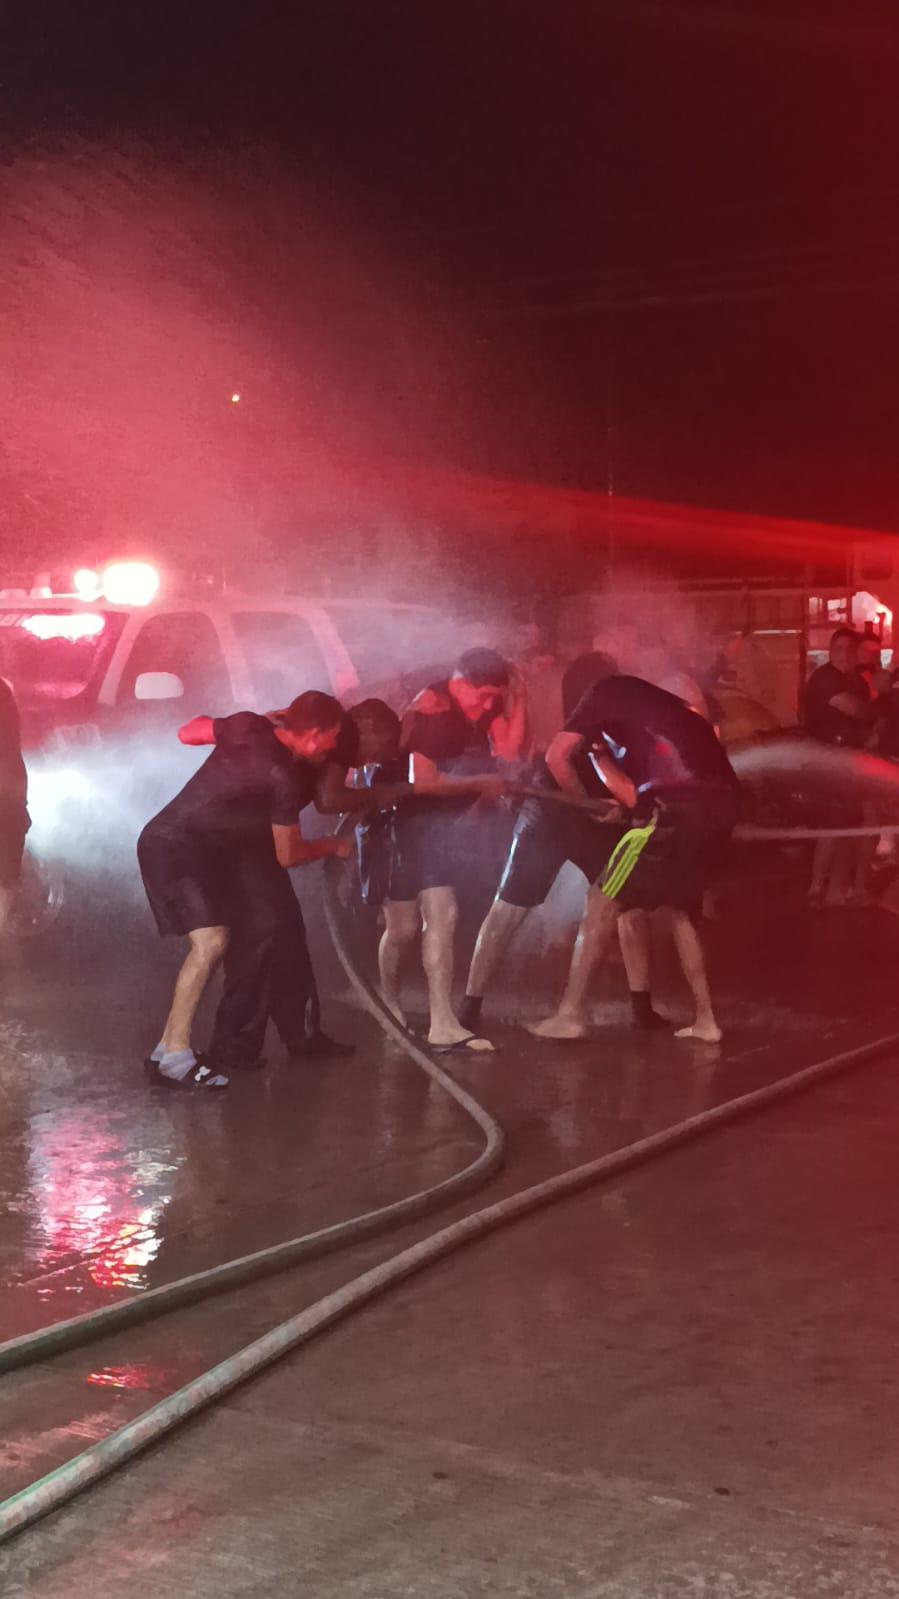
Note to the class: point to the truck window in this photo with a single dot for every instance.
(283, 657)
(52, 656)
(186, 644)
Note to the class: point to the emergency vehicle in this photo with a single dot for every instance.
(106, 664)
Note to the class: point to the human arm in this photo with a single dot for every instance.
(428, 779)
(241, 728)
(199, 730)
(561, 763)
(853, 706)
(292, 849)
(509, 730)
(333, 797)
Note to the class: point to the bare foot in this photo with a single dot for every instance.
(704, 1032)
(459, 1040)
(558, 1026)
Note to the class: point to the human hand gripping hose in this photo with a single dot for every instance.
(119, 1448)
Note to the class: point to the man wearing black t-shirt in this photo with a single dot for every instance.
(838, 705)
(547, 834)
(268, 969)
(454, 733)
(662, 762)
(199, 856)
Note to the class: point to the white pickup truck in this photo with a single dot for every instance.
(103, 682)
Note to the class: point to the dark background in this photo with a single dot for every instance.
(461, 261)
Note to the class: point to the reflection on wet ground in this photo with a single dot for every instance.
(111, 1185)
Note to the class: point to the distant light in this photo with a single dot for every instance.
(130, 583)
(86, 583)
(62, 624)
(235, 399)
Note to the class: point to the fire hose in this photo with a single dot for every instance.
(58, 1487)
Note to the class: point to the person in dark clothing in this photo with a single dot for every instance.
(267, 966)
(663, 763)
(202, 856)
(454, 734)
(14, 818)
(382, 771)
(547, 835)
(837, 704)
(840, 708)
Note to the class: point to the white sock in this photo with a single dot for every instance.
(158, 1052)
(177, 1063)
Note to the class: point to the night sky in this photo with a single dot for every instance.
(574, 245)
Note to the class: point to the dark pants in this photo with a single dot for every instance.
(268, 971)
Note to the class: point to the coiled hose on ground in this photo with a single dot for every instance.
(58, 1487)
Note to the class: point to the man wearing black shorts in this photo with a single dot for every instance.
(454, 733)
(663, 762)
(267, 966)
(547, 834)
(200, 857)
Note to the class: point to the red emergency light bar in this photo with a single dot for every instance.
(64, 624)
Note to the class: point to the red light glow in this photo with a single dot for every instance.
(130, 583)
(86, 583)
(130, 1377)
(64, 624)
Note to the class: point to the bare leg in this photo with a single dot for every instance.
(493, 940)
(843, 861)
(401, 923)
(822, 864)
(633, 936)
(689, 950)
(207, 946)
(594, 937)
(440, 913)
(864, 862)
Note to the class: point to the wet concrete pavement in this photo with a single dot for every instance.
(545, 1414)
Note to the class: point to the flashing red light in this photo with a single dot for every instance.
(130, 583)
(64, 624)
(86, 583)
(235, 399)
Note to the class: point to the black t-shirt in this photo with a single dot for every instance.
(655, 738)
(579, 676)
(346, 751)
(458, 747)
(822, 718)
(249, 784)
(446, 736)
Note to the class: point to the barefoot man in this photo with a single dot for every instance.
(662, 761)
(455, 732)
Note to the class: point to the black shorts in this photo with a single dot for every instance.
(546, 836)
(684, 855)
(444, 845)
(187, 887)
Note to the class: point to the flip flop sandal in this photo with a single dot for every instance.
(472, 1045)
(200, 1075)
